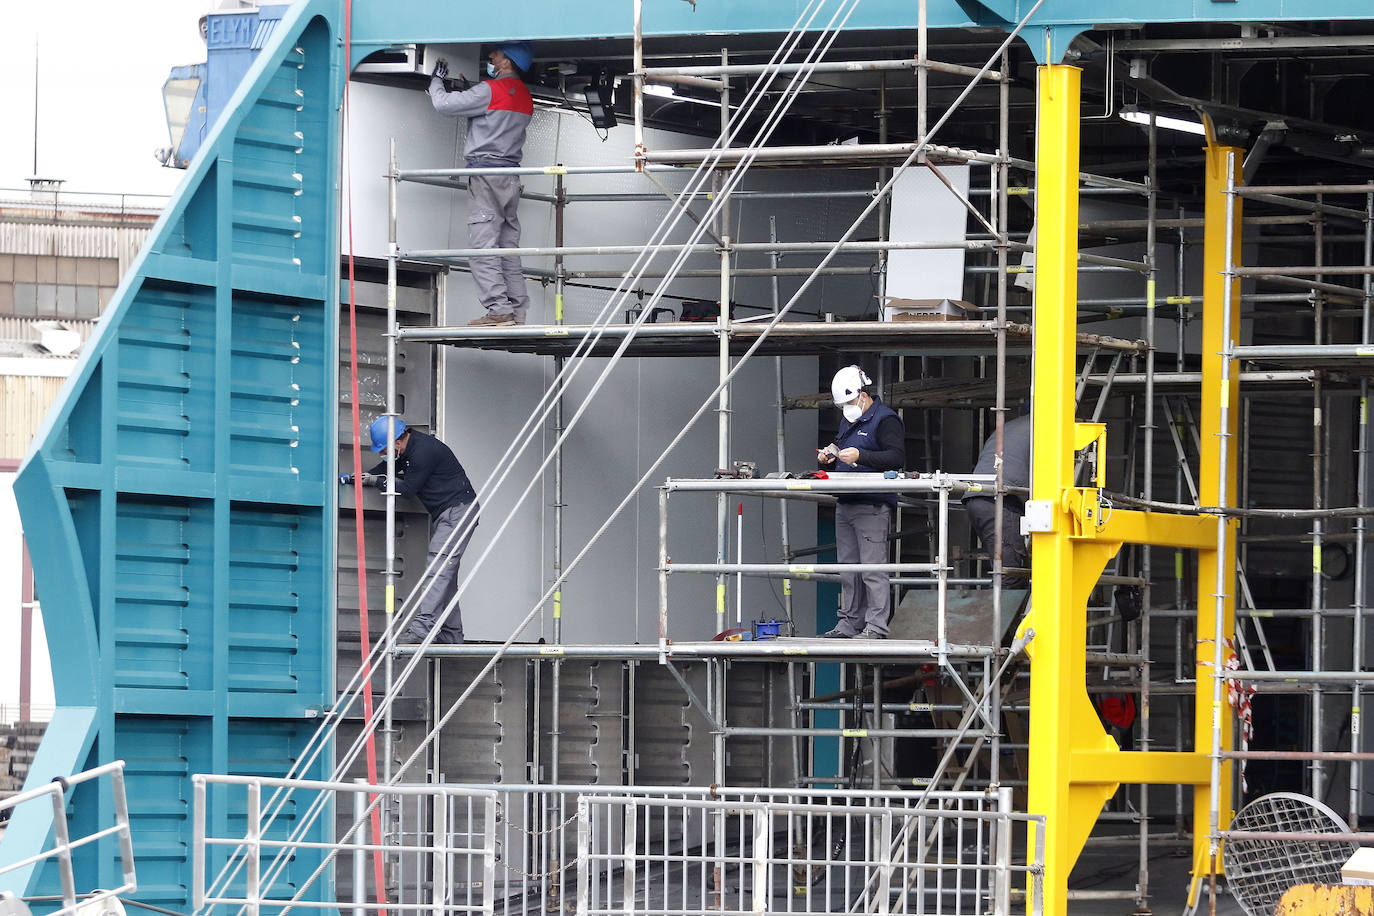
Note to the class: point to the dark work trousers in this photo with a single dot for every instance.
(982, 515)
(494, 222)
(445, 576)
(861, 537)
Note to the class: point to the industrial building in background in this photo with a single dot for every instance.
(1160, 234)
(61, 257)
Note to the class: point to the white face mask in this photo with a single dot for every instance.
(852, 411)
(491, 70)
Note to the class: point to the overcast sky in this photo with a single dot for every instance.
(101, 68)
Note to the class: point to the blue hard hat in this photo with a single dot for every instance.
(521, 53)
(378, 432)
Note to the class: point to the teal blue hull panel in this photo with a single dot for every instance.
(179, 500)
(379, 23)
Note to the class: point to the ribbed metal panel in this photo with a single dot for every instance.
(121, 242)
(24, 401)
(180, 500)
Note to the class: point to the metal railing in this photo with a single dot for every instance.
(680, 856)
(643, 849)
(938, 486)
(452, 846)
(63, 845)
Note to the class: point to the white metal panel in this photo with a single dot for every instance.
(924, 210)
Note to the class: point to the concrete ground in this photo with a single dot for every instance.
(1106, 869)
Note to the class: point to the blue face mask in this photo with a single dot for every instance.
(491, 70)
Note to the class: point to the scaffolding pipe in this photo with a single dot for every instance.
(1291, 189)
(1314, 677)
(723, 370)
(922, 76)
(1147, 490)
(550, 170)
(835, 154)
(1303, 351)
(843, 66)
(556, 679)
(783, 570)
(1361, 500)
(1312, 270)
(695, 274)
(633, 196)
(786, 544)
(751, 731)
(387, 814)
(736, 248)
(662, 575)
(860, 483)
(637, 80)
(1334, 289)
(1222, 572)
(1318, 628)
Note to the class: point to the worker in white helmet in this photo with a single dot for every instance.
(871, 439)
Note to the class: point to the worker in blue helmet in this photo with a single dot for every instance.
(428, 470)
(498, 111)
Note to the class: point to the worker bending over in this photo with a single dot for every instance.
(498, 112)
(872, 439)
(982, 508)
(427, 470)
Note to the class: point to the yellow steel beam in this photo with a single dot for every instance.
(1159, 529)
(1153, 767)
(1216, 486)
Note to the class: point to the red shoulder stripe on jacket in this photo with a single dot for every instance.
(510, 94)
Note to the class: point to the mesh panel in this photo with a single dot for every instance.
(1259, 871)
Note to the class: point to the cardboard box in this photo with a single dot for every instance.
(895, 309)
(1359, 868)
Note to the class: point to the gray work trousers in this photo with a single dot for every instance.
(434, 606)
(982, 515)
(494, 222)
(861, 537)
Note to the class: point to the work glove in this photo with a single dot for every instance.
(375, 480)
(345, 479)
(441, 69)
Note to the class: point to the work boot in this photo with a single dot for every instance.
(412, 637)
(836, 633)
(870, 633)
(493, 321)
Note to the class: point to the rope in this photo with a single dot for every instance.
(364, 630)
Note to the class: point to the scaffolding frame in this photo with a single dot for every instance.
(1001, 245)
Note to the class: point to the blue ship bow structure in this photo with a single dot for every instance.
(179, 503)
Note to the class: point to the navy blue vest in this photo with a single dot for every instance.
(863, 434)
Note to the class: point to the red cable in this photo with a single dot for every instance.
(364, 635)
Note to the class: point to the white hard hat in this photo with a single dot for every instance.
(845, 386)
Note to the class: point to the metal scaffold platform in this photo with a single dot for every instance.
(1186, 568)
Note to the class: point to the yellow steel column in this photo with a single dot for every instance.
(1058, 657)
(1217, 401)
